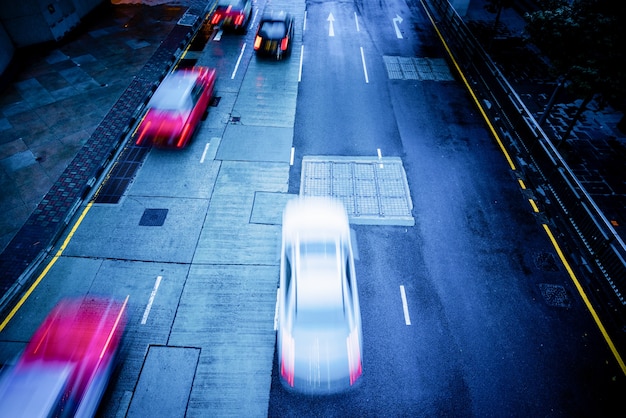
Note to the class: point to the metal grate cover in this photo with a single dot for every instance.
(121, 175)
(373, 190)
(153, 217)
(414, 68)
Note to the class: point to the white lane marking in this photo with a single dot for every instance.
(276, 310)
(243, 48)
(251, 25)
(380, 157)
(304, 23)
(206, 148)
(293, 151)
(151, 301)
(218, 35)
(405, 307)
(301, 57)
(331, 29)
(367, 80)
(356, 20)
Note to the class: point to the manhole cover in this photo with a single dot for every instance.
(554, 295)
(546, 262)
(187, 20)
(153, 217)
(373, 190)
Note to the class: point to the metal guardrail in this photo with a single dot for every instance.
(527, 142)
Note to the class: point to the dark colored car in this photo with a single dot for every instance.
(65, 368)
(274, 37)
(232, 15)
(319, 338)
(176, 108)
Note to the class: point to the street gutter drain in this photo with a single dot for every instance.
(554, 295)
(153, 217)
(546, 262)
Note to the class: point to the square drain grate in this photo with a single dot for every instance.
(554, 295)
(373, 190)
(153, 217)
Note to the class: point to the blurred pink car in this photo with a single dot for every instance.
(176, 108)
(65, 368)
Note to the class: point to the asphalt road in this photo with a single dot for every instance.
(481, 334)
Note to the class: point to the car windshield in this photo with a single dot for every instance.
(237, 4)
(173, 94)
(271, 29)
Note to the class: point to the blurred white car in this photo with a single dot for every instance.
(319, 323)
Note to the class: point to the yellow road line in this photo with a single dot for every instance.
(588, 304)
(45, 271)
(595, 316)
(480, 108)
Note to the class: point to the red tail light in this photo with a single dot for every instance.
(284, 43)
(120, 319)
(287, 359)
(257, 42)
(354, 356)
(142, 135)
(216, 19)
(183, 136)
(239, 20)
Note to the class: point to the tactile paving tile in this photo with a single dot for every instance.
(374, 190)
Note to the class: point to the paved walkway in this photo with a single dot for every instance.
(67, 111)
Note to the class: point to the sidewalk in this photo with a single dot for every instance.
(596, 149)
(65, 113)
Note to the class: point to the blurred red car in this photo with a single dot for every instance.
(232, 14)
(65, 368)
(176, 108)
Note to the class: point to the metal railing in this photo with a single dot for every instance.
(540, 160)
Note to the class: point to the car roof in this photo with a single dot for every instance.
(319, 276)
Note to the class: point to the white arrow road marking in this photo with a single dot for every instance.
(331, 30)
(396, 21)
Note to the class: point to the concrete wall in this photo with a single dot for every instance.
(29, 22)
(6, 49)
